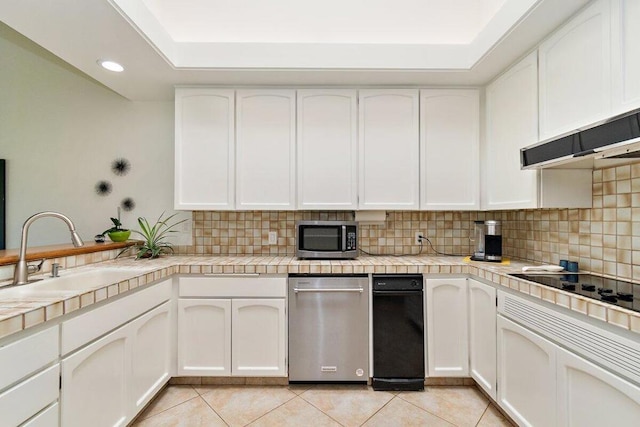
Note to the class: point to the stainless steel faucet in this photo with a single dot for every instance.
(21, 275)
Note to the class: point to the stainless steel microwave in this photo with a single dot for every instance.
(327, 239)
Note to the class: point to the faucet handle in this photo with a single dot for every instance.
(55, 269)
(35, 268)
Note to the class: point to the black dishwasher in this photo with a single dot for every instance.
(398, 332)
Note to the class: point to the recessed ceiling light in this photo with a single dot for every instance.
(110, 65)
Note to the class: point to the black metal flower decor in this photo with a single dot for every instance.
(120, 166)
(128, 204)
(103, 188)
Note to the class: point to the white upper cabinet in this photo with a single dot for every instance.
(511, 124)
(388, 149)
(625, 59)
(265, 149)
(204, 149)
(449, 149)
(575, 72)
(327, 149)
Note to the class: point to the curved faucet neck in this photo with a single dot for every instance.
(21, 273)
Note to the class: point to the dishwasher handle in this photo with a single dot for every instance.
(397, 293)
(358, 290)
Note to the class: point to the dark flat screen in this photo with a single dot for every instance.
(2, 205)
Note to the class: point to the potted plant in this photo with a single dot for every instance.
(117, 233)
(154, 244)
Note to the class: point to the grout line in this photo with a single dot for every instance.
(380, 409)
(422, 409)
(214, 411)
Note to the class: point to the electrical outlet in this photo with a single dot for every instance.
(419, 237)
(273, 237)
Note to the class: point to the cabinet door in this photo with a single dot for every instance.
(625, 59)
(94, 383)
(526, 375)
(265, 126)
(204, 337)
(511, 124)
(259, 339)
(449, 149)
(204, 149)
(150, 355)
(585, 390)
(388, 149)
(327, 149)
(447, 342)
(575, 72)
(482, 336)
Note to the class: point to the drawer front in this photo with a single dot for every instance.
(29, 397)
(230, 286)
(47, 418)
(25, 356)
(97, 322)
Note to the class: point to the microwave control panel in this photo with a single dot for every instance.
(351, 241)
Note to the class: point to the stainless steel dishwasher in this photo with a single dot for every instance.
(328, 328)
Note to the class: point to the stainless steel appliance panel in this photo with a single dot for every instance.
(328, 328)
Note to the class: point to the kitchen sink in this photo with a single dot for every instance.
(71, 282)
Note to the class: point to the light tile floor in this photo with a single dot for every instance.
(318, 405)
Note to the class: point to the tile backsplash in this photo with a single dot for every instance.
(604, 239)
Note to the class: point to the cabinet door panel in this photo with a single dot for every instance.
(94, 381)
(259, 341)
(327, 149)
(150, 354)
(388, 149)
(205, 149)
(575, 72)
(585, 389)
(265, 143)
(447, 332)
(526, 375)
(204, 337)
(449, 149)
(482, 335)
(626, 62)
(511, 124)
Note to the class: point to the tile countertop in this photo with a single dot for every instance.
(18, 313)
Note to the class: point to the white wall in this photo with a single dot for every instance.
(60, 132)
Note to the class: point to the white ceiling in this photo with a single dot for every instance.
(163, 43)
(324, 21)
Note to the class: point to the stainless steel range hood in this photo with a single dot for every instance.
(614, 138)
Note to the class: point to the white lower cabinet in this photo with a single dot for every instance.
(447, 331)
(150, 355)
(482, 336)
(526, 375)
(94, 381)
(204, 337)
(258, 337)
(232, 326)
(108, 381)
(591, 396)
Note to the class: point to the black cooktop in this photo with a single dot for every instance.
(612, 291)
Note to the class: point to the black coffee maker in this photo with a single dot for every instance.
(487, 237)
